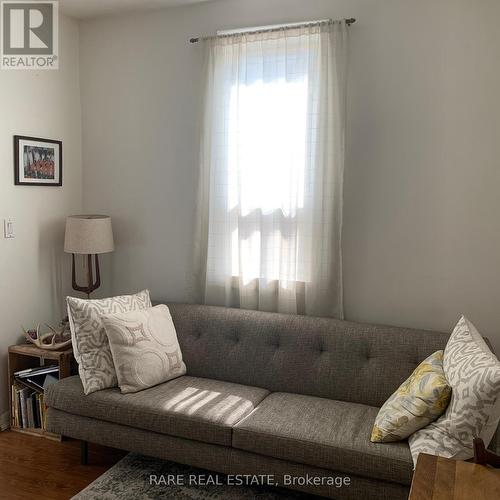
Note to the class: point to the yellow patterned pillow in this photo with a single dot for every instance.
(420, 399)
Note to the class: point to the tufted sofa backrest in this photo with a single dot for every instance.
(321, 357)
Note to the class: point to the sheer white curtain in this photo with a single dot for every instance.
(272, 160)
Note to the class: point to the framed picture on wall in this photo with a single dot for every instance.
(37, 162)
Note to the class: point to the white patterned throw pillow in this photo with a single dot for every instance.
(145, 348)
(473, 373)
(90, 343)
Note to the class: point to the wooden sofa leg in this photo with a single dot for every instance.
(84, 452)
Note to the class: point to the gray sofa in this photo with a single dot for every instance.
(265, 393)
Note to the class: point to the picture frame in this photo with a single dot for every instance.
(37, 161)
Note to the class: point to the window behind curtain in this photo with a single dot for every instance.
(272, 162)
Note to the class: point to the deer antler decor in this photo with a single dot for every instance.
(58, 339)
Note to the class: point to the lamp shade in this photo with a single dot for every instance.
(88, 234)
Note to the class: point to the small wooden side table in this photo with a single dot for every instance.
(26, 356)
(438, 478)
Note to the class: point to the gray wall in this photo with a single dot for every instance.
(421, 229)
(34, 272)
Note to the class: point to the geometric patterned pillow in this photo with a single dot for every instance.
(145, 348)
(419, 400)
(90, 343)
(473, 372)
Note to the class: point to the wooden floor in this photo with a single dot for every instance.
(33, 467)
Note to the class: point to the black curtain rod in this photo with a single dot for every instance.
(349, 21)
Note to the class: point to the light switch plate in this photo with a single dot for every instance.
(8, 228)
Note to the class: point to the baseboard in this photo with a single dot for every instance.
(4, 421)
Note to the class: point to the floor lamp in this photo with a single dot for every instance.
(88, 235)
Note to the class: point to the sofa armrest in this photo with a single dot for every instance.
(494, 446)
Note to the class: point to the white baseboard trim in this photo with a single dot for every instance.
(4, 421)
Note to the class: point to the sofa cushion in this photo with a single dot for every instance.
(144, 347)
(419, 400)
(188, 407)
(90, 342)
(473, 372)
(322, 357)
(323, 433)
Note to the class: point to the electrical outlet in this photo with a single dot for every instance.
(8, 228)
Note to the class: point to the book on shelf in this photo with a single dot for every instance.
(39, 370)
(29, 412)
(28, 406)
(22, 404)
(34, 411)
(15, 406)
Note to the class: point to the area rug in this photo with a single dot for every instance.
(137, 477)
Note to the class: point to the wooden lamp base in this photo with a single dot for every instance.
(91, 284)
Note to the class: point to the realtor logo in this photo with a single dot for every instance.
(29, 35)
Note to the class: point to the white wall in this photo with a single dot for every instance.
(33, 268)
(421, 231)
